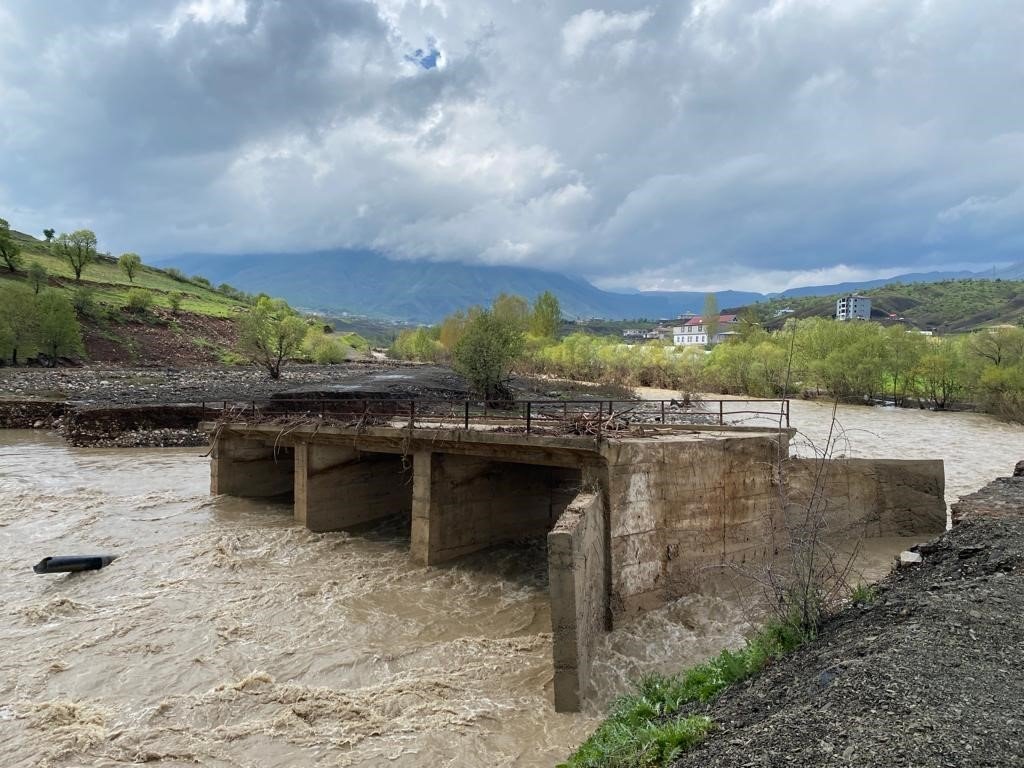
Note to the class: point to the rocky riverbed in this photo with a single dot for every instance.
(107, 406)
(925, 674)
(111, 385)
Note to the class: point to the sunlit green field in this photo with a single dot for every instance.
(110, 285)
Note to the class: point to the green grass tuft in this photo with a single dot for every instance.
(864, 594)
(643, 731)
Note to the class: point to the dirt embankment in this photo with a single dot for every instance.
(160, 337)
(927, 674)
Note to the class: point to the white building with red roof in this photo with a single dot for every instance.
(695, 332)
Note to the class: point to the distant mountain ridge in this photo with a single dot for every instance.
(367, 283)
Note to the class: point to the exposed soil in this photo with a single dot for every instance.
(162, 338)
(926, 675)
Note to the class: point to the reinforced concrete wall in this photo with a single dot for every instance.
(338, 487)
(462, 504)
(873, 497)
(244, 467)
(678, 509)
(681, 512)
(577, 582)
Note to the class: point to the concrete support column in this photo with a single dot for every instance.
(578, 586)
(243, 467)
(461, 504)
(337, 487)
(426, 527)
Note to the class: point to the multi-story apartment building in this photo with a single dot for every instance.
(853, 307)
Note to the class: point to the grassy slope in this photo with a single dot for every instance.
(200, 332)
(948, 306)
(111, 286)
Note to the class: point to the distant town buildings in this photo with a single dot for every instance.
(695, 332)
(643, 334)
(853, 307)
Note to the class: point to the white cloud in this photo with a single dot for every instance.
(685, 144)
(583, 29)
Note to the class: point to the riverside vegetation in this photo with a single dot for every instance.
(853, 361)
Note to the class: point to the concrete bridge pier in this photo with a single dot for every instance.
(339, 487)
(462, 504)
(251, 468)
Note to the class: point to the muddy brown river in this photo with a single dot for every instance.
(225, 635)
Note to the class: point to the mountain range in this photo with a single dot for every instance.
(366, 283)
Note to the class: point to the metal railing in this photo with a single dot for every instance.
(530, 416)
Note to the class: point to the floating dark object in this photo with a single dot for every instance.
(72, 563)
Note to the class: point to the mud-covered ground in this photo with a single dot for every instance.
(100, 384)
(927, 674)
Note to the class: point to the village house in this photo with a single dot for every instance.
(695, 332)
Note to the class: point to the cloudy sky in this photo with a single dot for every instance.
(684, 144)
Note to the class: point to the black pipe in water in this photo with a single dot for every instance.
(72, 563)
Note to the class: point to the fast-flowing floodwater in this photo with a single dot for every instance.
(225, 635)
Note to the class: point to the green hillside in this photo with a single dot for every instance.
(110, 285)
(948, 306)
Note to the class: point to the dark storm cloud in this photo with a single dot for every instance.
(655, 144)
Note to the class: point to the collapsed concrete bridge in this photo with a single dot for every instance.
(632, 520)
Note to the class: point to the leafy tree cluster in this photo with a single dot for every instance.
(484, 344)
(32, 321)
(853, 361)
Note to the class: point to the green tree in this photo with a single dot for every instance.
(324, 348)
(129, 264)
(174, 298)
(452, 328)
(59, 332)
(48, 234)
(269, 333)
(903, 350)
(942, 373)
(10, 251)
(78, 249)
(38, 277)
(999, 346)
(512, 309)
(139, 300)
(84, 302)
(546, 316)
(486, 352)
(418, 344)
(709, 317)
(19, 317)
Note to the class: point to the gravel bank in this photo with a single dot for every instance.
(109, 385)
(926, 675)
(115, 407)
